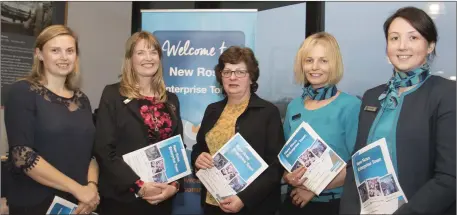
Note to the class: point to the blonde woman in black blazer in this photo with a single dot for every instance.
(133, 114)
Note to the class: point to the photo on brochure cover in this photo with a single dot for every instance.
(374, 188)
(307, 158)
(318, 148)
(219, 161)
(157, 166)
(237, 184)
(388, 185)
(229, 172)
(152, 153)
(363, 192)
(160, 178)
(297, 165)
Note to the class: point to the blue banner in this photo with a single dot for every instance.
(192, 41)
(188, 64)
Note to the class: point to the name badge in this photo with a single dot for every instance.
(295, 117)
(370, 108)
(126, 101)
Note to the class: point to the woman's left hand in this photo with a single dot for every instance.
(231, 204)
(167, 192)
(84, 209)
(296, 178)
(301, 197)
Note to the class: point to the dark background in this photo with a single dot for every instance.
(314, 10)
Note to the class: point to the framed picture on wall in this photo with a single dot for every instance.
(21, 23)
(30, 18)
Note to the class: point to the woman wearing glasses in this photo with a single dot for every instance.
(257, 120)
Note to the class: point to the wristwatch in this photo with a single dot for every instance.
(175, 184)
(137, 186)
(93, 182)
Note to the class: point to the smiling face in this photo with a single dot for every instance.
(145, 59)
(318, 61)
(316, 66)
(58, 55)
(407, 49)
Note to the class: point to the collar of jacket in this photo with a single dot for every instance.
(254, 102)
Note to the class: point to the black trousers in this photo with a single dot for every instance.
(324, 208)
(216, 210)
(138, 207)
(40, 208)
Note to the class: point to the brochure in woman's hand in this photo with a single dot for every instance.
(236, 165)
(306, 149)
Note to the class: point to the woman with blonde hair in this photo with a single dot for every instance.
(331, 113)
(135, 113)
(50, 130)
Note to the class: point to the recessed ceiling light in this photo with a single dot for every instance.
(434, 8)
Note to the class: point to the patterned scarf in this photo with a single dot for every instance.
(389, 98)
(320, 93)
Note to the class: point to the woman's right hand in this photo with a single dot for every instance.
(149, 189)
(204, 161)
(166, 191)
(87, 195)
(295, 178)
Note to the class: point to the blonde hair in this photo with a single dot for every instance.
(37, 75)
(129, 80)
(332, 51)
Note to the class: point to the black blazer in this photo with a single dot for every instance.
(425, 148)
(260, 124)
(120, 130)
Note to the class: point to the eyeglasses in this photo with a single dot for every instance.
(226, 73)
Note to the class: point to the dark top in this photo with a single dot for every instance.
(39, 122)
(120, 130)
(425, 145)
(260, 124)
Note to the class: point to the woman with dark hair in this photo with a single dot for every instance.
(415, 112)
(257, 120)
